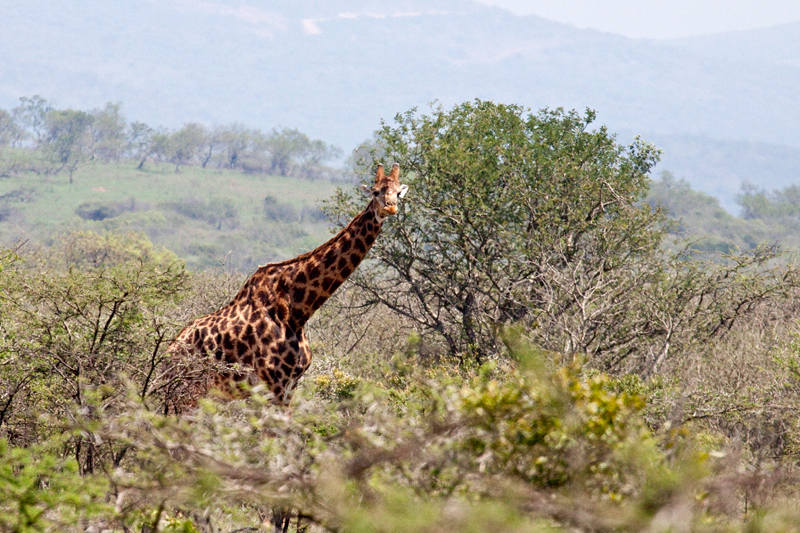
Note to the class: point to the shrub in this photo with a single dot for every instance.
(279, 211)
(312, 214)
(98, 210)
(217, 211)
(42, 491)
(79, 319)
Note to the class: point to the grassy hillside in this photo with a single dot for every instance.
(203, 215)
(211, 216)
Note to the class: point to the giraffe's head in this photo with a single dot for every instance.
(386, 191)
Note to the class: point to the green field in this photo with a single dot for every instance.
(206, 216)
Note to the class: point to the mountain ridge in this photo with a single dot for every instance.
(335, 70)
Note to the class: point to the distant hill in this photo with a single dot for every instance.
(333, 70)
(720, 167)
(206, 216)
(779, 45)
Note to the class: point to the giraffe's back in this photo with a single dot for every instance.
(231, 350)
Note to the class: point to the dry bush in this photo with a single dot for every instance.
(350, 333)
(741, 384)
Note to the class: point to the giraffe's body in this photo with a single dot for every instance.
(258, 337)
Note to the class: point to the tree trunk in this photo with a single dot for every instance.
(471, 333)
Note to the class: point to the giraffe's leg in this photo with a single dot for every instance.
(280, 520)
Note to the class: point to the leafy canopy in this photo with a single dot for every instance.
(502, 202)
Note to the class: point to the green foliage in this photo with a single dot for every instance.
(766, 217)
(10, 132)
(41, 492)
(186, 143)
(336, 386)
(535, 430)
(102, 210)
(14, 161)
(780, 204)
(280, 211)
(109, 132)
(234, 141)
(66, 139)
(87, 250)
(292, 152)
(31, 114)
(362, 456)
(399, 451)
(217, 211)
(85, 314)
(373, 444)
(706, 225)
(502, 203)
(536, 220)
(151, 144)
(539, 220)
(69, 139)
(772, 216)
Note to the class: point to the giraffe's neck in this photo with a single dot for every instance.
(318, 274)
(295, 289)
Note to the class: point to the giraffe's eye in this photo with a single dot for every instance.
(375, 193)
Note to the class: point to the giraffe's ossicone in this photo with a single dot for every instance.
(258, 337)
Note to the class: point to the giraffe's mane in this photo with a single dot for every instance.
(308, 254)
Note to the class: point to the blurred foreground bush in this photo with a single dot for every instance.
(506, 449)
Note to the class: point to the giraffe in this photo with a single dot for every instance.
(258, 337)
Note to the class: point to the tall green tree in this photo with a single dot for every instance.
(186, 144)
(145, 143)
(69, 138)
(292, 152)
(285, 147)
(10, 133)
(539, 219)
(234, 141)
(31, 113)
(109, 132)
(512, 217)
(778, 205)
(137, 137)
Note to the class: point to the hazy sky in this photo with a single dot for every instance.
(660, 19)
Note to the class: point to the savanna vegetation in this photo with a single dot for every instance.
(219, 195)
(533, 345)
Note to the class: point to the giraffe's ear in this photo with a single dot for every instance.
(366, 190)
(403, 190)
(379, 175)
